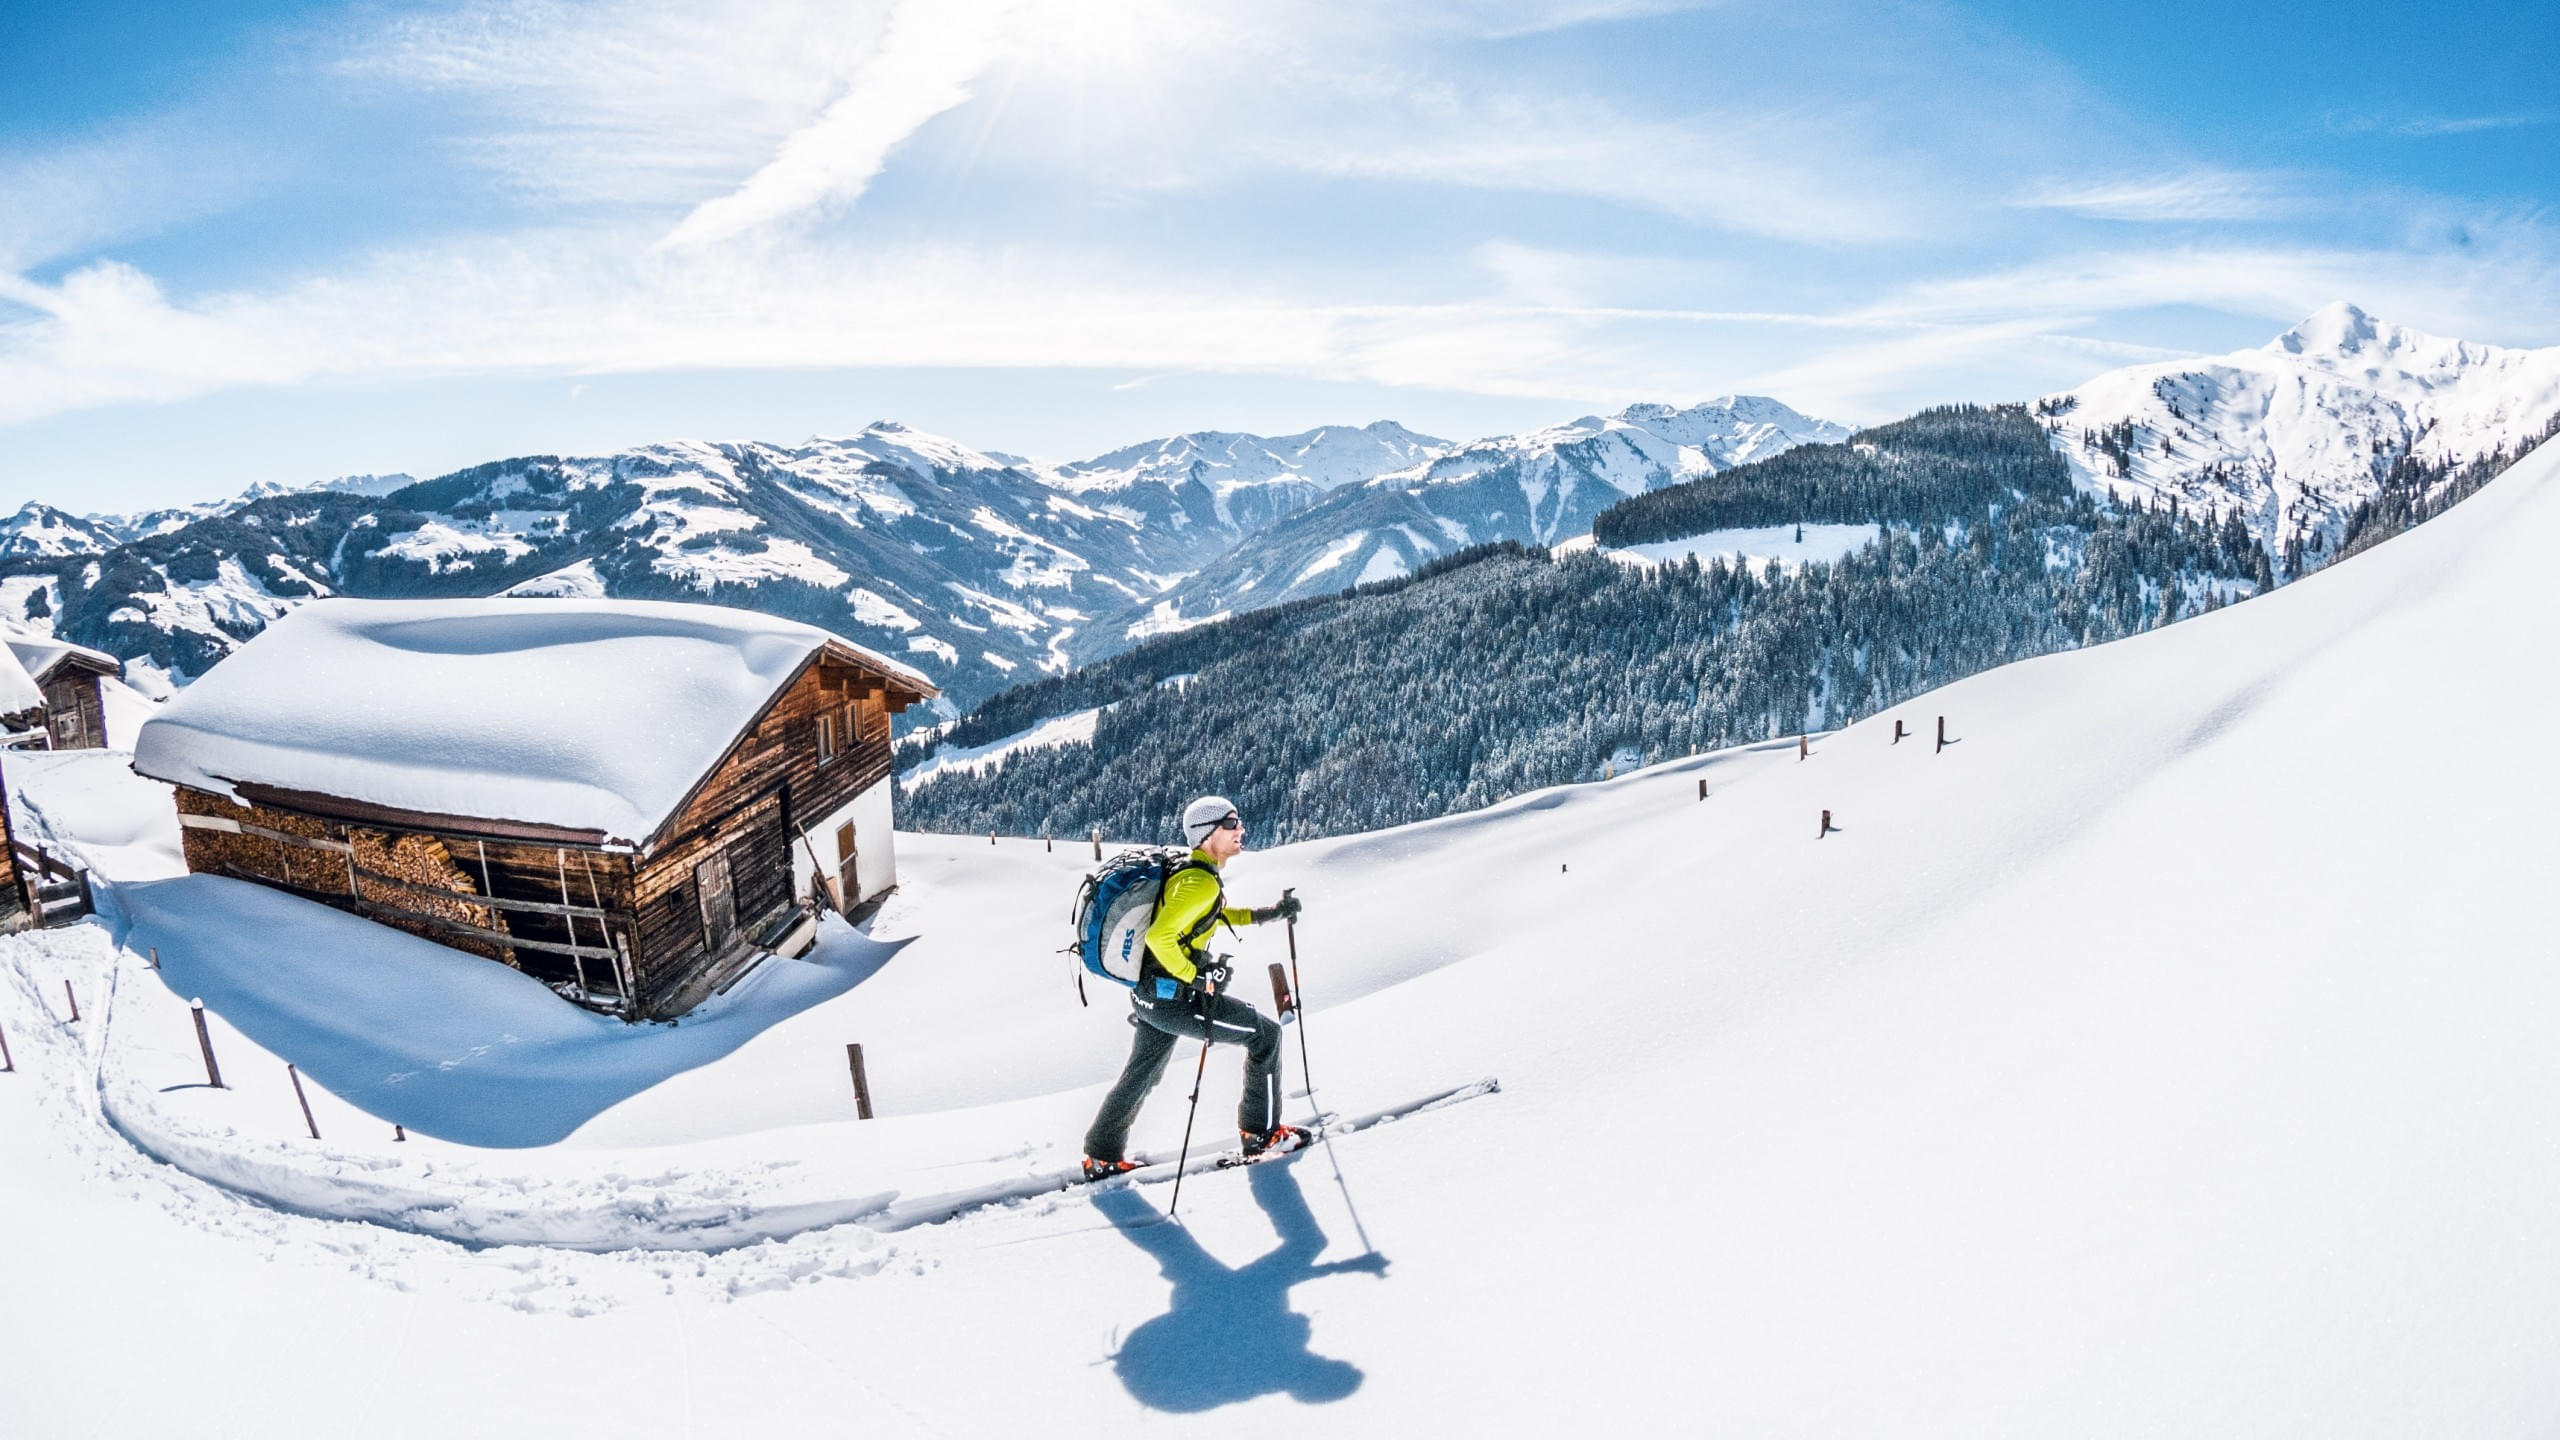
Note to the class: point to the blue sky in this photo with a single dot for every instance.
(286, 241)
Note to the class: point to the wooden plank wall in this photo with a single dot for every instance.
(432, 885)
(771, 787)
(75, 712)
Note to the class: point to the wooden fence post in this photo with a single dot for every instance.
(296, 1076)
(1097, 842)
(1942, 734)
(1897, 732)
(204, 1042)
(399, 1131)
(1702, 787)
(861, 1082)
(155, 957)
(1826, 824)
(1804, 747)
(73, 996)
(991, 837)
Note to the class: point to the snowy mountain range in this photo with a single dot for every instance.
(985, 568)
(981, 568)
(2295, 434)
(1215, 487)
(1540, 487)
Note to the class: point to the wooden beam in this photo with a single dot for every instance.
(419, 822)
(229, 826)
(473, 897)
(478, 933)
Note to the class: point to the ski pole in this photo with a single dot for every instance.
(1298, 1002)
(1197, 1077)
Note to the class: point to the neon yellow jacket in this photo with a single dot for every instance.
(1189, 909)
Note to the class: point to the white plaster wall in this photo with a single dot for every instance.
(874, 843)
(875, 835)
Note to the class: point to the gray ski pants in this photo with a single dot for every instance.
(1221, 1019)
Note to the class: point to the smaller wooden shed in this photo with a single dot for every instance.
(629, 800)
(69, 678)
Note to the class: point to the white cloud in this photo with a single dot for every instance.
(1750, 173)
(1610, 244)
(926, 63)
(1512, 19)
(2186, 197)
(2424, 127)
(624, 102)
(125, 180)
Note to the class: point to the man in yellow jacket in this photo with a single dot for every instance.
(1178, 997)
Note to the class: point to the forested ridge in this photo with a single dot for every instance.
(1936, 466)
(1505, 669)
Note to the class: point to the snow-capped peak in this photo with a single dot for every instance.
(39, 531)
(2337, 328)
(2294, 434)
(1326, 457)
(1640, 447)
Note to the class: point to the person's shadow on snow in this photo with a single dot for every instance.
(1230, 1335)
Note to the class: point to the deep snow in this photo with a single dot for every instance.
(2168, 1055)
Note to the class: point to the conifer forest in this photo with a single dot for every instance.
(1505, 668)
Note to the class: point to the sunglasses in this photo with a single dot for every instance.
(1232, 822)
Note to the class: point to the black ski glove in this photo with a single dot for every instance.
(1287, 909)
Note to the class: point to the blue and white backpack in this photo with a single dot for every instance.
(1114, 908)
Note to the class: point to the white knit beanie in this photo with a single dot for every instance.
(1204, 815)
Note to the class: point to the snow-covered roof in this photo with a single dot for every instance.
(40, 653)
(18, 690)
(580, 714)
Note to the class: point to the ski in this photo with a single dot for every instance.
(899, 1214)
(1324, 1127)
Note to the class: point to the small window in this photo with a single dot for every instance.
(826, 738)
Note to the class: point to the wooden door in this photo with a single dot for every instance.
(847, 885)
(719, 901)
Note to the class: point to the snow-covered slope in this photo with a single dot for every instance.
(2119, 1069)
(2295, 434)
(1541, 487)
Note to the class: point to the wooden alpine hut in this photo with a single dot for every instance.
(70, 678)
(632, 801)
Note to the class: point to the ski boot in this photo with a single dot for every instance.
(1279, 1141)
(1105, 1169)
